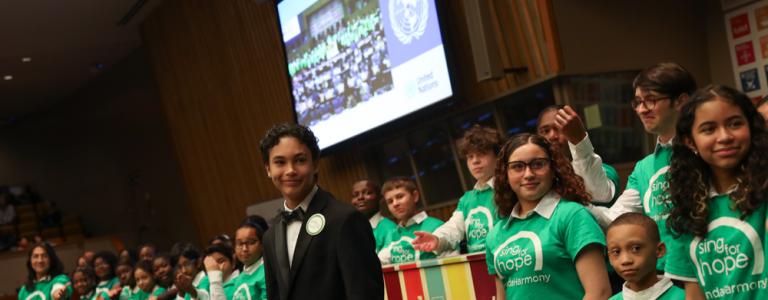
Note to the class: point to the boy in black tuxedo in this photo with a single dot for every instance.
(319, 248)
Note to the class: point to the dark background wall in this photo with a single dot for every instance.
(105, 154)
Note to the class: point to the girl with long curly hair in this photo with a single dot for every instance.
(548, 245)
(718, 180)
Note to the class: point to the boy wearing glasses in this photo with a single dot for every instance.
(660, 92)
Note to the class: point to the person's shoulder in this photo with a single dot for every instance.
(61, 278)
(618, 296)
(432, 221)
(386, 223)
(673, 292)
(565, 205)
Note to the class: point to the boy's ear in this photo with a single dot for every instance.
(416, 196)
(661, 250)
(266, 167)
(681, 100)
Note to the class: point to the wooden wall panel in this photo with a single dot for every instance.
(221, 76)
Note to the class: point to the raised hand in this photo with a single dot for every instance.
(211, 264)
(59, 293)
(570, 125)
(425, 241)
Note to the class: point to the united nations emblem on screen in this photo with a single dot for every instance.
(408, 19)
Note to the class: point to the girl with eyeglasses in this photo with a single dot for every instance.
(45, 275)
(718, 186)
(249, 284)
(549, 246)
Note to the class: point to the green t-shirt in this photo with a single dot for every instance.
(535, 257)
(106, 285)
(649, 178)
(249, 285)
(382, 229)
(42, 289)
(398, 242)
(202, 288)
(480, 216)
(673, 293)
(128, 292)
(729, 262)
(142, 295)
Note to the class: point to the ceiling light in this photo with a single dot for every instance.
(7, 77)
(26, 59)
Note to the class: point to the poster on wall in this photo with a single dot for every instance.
(747, 30)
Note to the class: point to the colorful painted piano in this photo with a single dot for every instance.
(462, 277)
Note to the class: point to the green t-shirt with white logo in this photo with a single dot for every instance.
(535, 257)
(42, 289)
(381, 231)
(729, 262)
(128, 292)
(398, 242)
(480, 216)
(249, 285)
(650, 180)
(106, 285)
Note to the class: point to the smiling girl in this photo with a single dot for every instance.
(718, 182)
(548, 246)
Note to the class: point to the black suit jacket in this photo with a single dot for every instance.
(338, 263)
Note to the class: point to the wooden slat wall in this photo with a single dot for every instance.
(221, 77)
(526, 36)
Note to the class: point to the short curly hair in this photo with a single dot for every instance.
(480, 139)
(301, 133)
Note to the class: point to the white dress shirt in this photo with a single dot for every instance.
(293, 228)
(589, 166)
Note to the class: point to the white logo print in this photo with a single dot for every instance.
(521, 256)
(731, 256)
(408, 19)
(36, 294)
(242, 292)
(479, 231)
(655, 186)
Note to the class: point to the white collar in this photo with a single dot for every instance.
(659, 144)
(481, 186)
(198, 277)
(304, 204)
(234, 274)
(544, 208)
(375, 219)
(252, 268)
(87, 296)
(653, 292)
(45, 278)
(416, 219)
(713, 192)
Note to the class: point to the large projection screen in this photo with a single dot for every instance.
(357, 64)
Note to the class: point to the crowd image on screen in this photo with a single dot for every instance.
(343, 65)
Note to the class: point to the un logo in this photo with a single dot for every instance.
(408, 19)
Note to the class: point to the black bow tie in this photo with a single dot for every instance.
(296, 215)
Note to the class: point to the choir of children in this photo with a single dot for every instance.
(699, 199)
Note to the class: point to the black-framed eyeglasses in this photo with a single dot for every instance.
(536, 165)
(647, 102)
